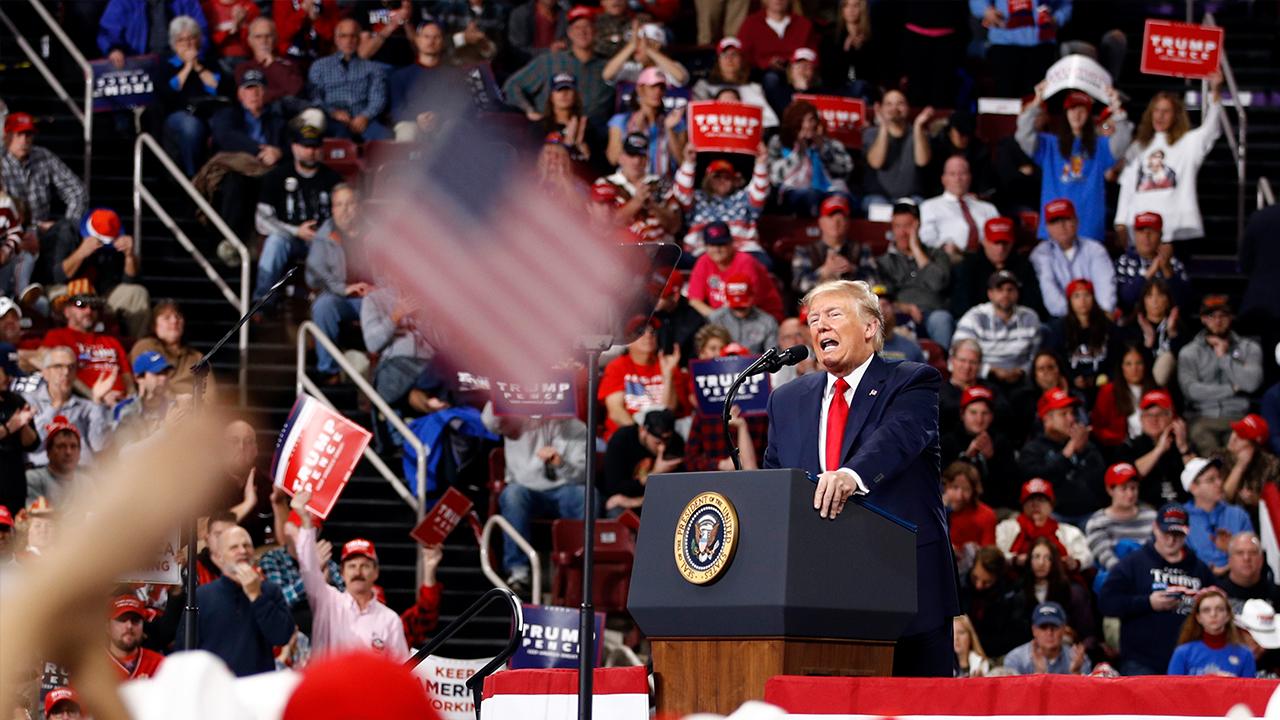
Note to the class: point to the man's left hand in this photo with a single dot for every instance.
(359, 124)
(833, 491)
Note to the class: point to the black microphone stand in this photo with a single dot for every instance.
(770, 356)
(200, 373)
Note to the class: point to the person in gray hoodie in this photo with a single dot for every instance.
(338, 299)
(1216, 371)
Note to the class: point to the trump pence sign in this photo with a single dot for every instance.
(317, 450)
(725, 126)
(844, 117)
(1180, 49)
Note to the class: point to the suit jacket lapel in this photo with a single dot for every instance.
(810, 409)
(862, 403)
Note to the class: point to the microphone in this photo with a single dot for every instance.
(774, 359)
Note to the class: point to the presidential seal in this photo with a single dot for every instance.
(706, 536)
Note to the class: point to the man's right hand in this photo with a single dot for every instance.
(834, 266)
(992, 18)
(103, 386)
(117, 59)
(299, 505)
(248, 579)
(1164, 601)
(307, 231)
(341, 116)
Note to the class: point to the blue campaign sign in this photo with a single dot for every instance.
(551, 638)
(124, 88)
(712, 379)
(555, 397)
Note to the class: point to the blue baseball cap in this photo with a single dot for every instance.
(150, 362)
(1048, 613)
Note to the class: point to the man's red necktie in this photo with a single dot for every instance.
(837, 414)
(972, 244)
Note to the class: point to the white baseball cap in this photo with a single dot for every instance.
(7, 305)
(1194, 468)
(1259, 618)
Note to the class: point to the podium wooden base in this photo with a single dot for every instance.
(719, 674)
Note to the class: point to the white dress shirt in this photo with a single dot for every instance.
(853, 379)
(942, 221)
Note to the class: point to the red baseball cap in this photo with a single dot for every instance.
(1148, 220)
(124, 604)
(359, 546)
(999, 230)
(580, 12)
(738, 292)
(1077, 99)
(1054, 399)
(834, 204)
(977, 393)
(358, 684)
(1157, 398)
(734, 349)
(718, 167)
(102, 224)
(1252, 427)
(729, 43)
(1059, 209)
(1119, 474)
(59, 695)
(1037, 486)
(60, 424)
(6, 517)
(804, 54)
(19, 122)
(1079, 284)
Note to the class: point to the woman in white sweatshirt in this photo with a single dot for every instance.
(1161, 165)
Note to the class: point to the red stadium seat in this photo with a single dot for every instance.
(780, 235)
(615, 552)
(874, 235)
(381, 152)
(936, 356)
(497, 477)
(343, 156)
(992, 128)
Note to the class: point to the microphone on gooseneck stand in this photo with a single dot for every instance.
(771, 361)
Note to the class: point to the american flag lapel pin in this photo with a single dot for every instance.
(872, 393)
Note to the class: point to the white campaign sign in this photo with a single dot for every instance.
(165, 570)
(446, 683)
(1077, 72)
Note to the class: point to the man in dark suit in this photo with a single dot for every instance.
(868, 426)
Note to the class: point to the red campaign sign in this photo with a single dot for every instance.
(317, 450)
(725, 126)
(845, 117)
(443, 518)
(1180, 49)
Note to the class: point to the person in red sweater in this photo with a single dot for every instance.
(1116, 416)
(972, 522)
(722, 261)
(124, 640)
(770, 35)
(100, 355)
(229, 28)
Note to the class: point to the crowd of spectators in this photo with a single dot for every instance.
(1104, 440)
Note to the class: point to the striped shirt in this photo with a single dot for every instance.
(35, 179)
(1005, 345)
(1103, 532)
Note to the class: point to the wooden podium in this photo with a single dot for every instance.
(798, 596)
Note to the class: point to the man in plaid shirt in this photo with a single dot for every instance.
(351, 90)
(33, 174)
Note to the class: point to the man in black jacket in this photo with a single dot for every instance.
(1064, 455)
(254, 127)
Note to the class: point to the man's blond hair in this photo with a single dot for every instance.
(861, 299)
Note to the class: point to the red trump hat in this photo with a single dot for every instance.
(1148, 220)
(1156, 398)
(999, 229)
(359, 546)
(1119, 474)
(1079, 284)
(1059, 209)
(977, 393)
(125, 604)
(1054, 399)
(1252, 427)
(1036, 486)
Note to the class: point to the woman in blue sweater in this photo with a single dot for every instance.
(1074, 157)
(1210, 644)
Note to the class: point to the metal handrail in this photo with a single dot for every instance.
(140, 193)
(83, 116)
(486, 563)
(1266, 197)
(306, 384)
(476, 682)
(1237, 143)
